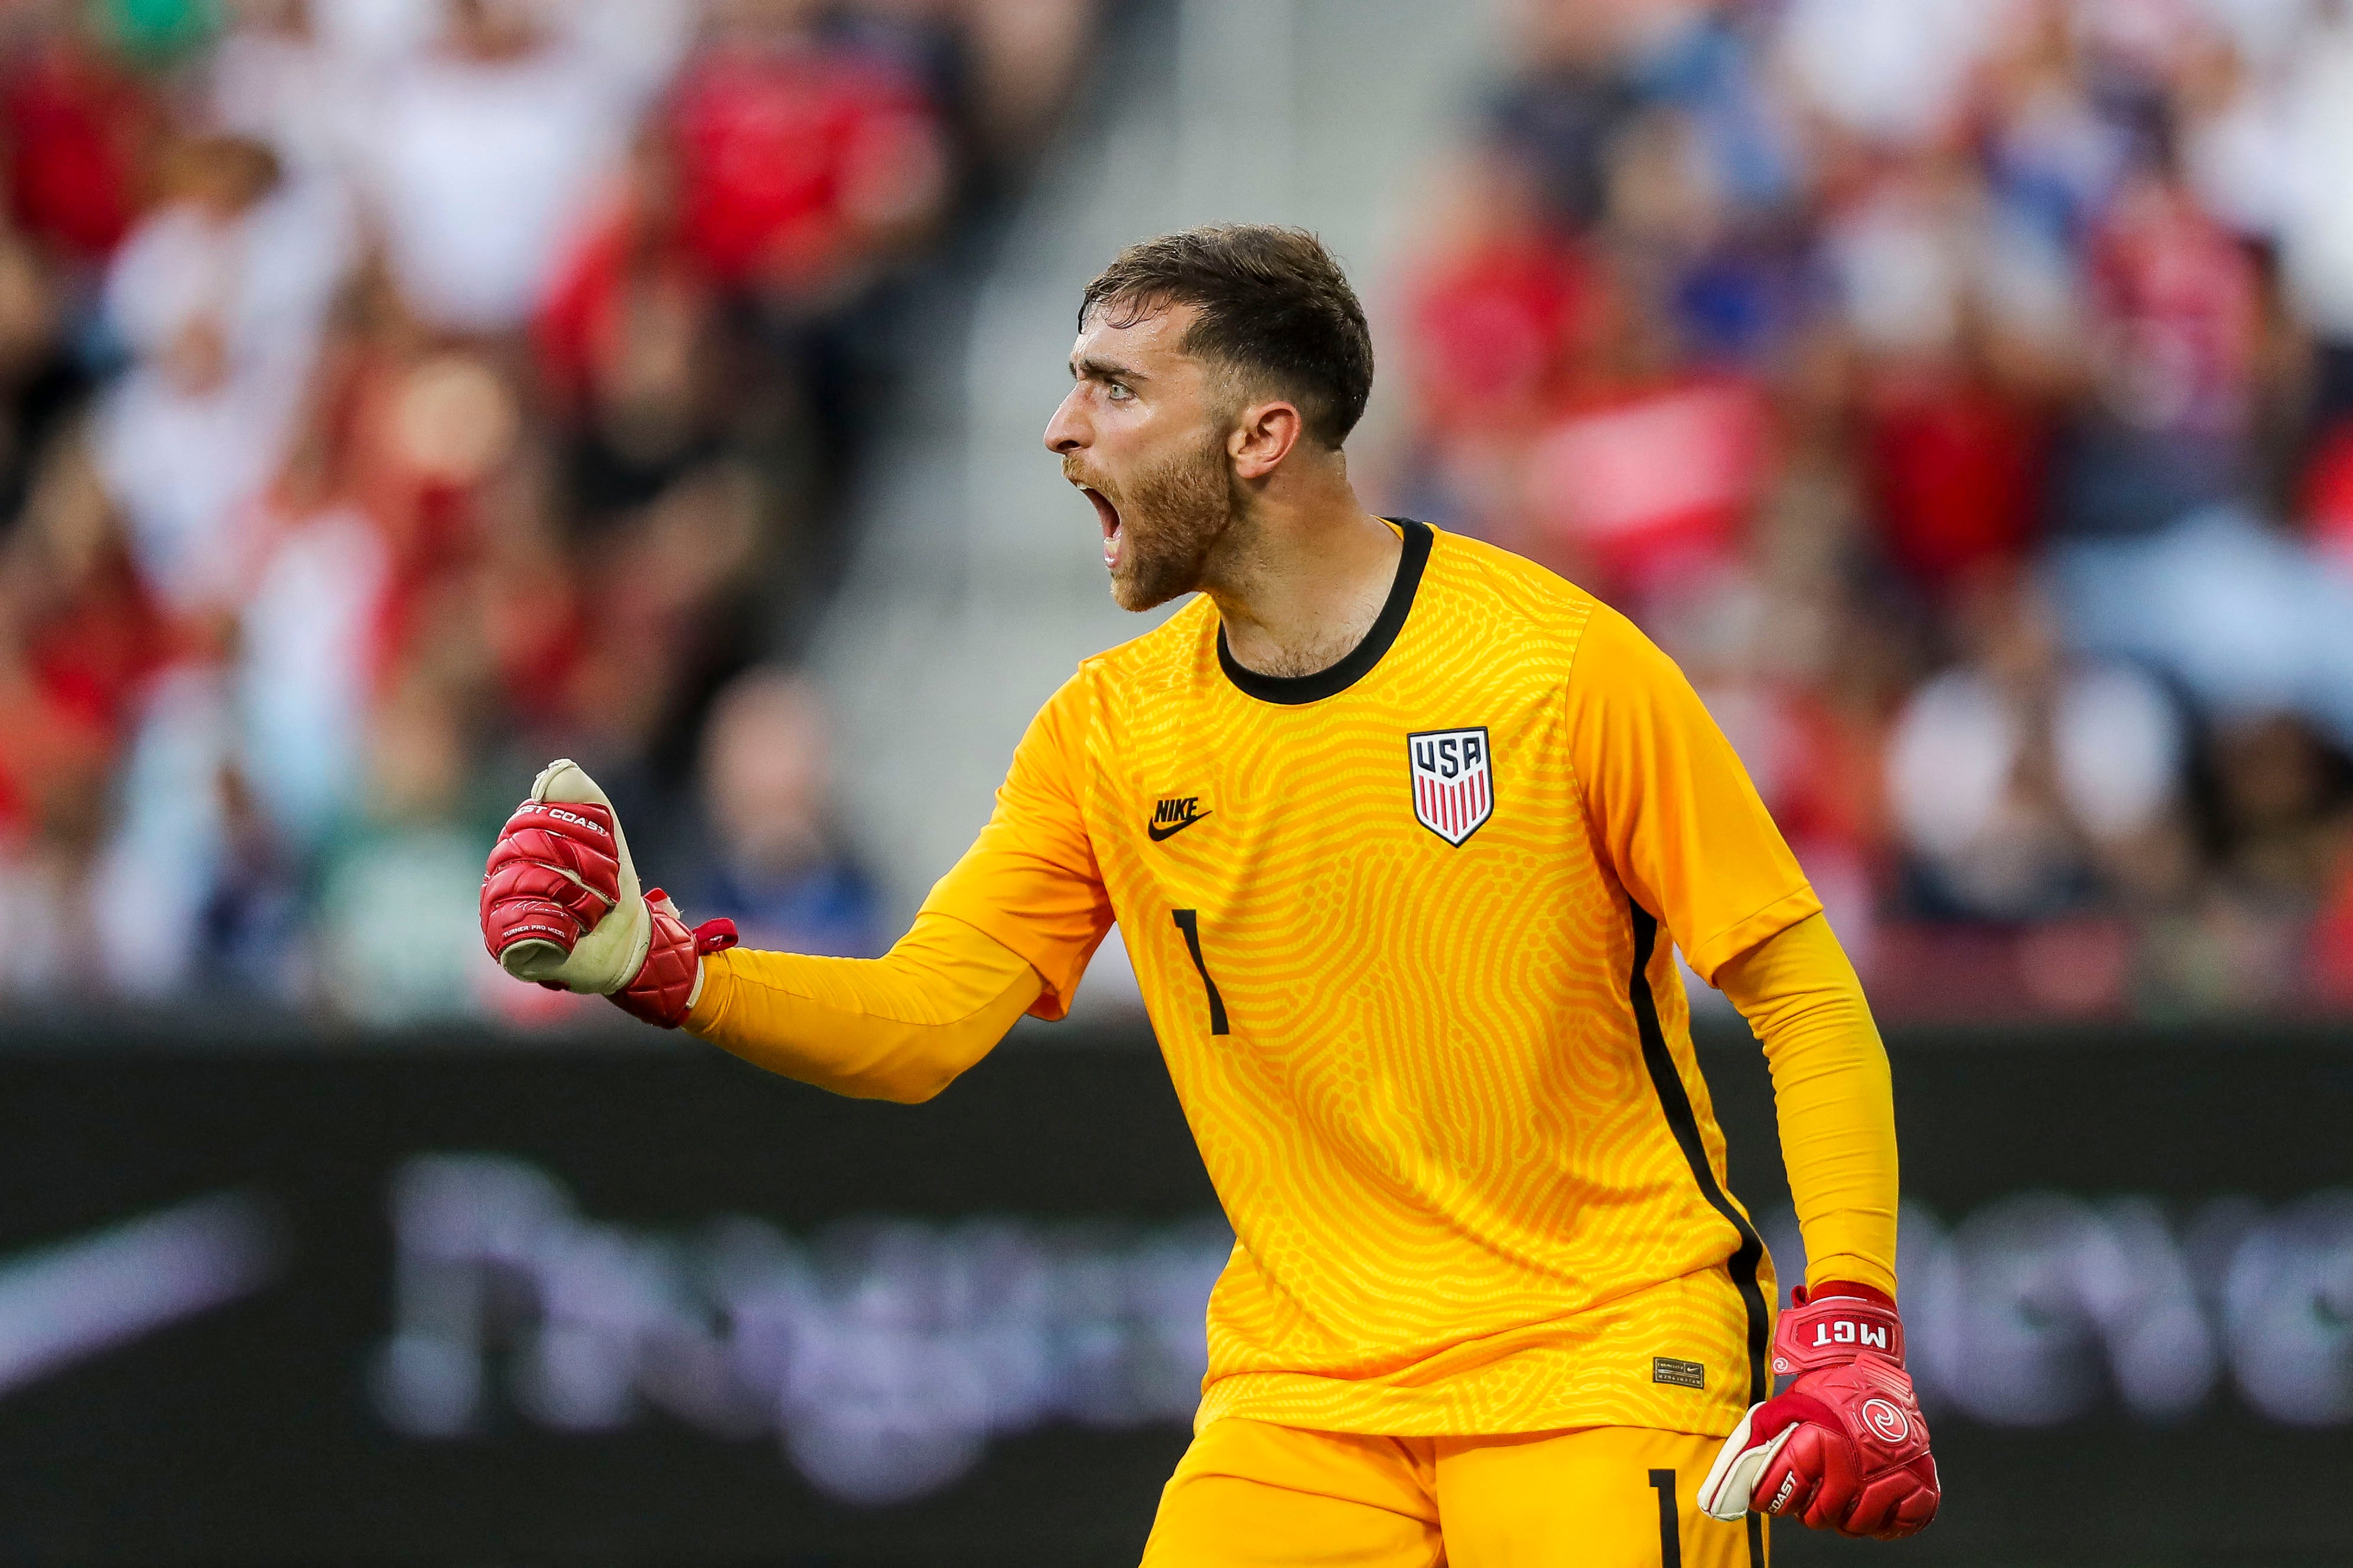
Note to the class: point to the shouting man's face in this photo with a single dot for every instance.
(1143, 436)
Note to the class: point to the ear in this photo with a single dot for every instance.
(1263, 437)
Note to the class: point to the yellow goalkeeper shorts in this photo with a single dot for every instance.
(1248, 1493)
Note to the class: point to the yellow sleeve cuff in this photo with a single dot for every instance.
(1743, 934)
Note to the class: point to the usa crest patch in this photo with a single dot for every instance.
(1453, 777)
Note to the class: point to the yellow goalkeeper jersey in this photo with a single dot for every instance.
(1406, 931)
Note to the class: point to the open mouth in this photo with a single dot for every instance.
(1107, 515)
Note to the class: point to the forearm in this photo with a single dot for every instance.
(1832, 1090)
(897, 1027)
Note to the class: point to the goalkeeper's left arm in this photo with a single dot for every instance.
(1843, 1446)
(1833, 1095)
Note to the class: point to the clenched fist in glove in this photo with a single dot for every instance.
(561, 906)
(1843, 1447)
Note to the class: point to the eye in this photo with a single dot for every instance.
(1118, 391)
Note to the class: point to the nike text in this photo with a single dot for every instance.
(1174, 816)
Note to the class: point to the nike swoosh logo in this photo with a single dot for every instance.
(1160, 832)
(74, 1300)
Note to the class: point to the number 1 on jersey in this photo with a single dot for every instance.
(1190, 923)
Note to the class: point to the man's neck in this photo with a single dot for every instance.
(1306, 585)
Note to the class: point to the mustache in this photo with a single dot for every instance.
(1078, 473)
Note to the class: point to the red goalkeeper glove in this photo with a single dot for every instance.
(1844, 1446)
(561, 906)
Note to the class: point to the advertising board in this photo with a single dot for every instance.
(475, 1301)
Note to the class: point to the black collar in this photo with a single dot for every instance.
(1293, 689)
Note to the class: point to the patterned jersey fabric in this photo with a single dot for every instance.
(1406, 930)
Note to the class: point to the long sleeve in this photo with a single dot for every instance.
(1832, 1091)
(1672, 810)
(900, 1027)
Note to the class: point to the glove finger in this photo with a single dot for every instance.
(1875, 1504)
(512, 877)
(542, 885)
(524, 919)
(1830, 1458)
(509, 915)
(1916, 1506)
(1783, 1493)
(569, 857)
(1786, 1484)
(580, 838)
(588, 823)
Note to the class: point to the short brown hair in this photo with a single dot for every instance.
(1273, 305)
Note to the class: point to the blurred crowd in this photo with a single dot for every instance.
(395, 393)
(1962, 390)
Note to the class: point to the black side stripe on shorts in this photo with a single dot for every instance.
(1684, 1124)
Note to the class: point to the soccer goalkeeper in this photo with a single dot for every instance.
(1401, 832)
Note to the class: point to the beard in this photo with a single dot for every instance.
(1173, 517)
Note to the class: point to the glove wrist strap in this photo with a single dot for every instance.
(662, 991)
(710, 937)
(1831, 1331)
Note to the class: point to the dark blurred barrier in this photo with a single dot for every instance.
(488, 1303)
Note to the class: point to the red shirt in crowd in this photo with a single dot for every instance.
(1639, 481)
(1957, 472)
(2178, 308)
(790, 156)
(1487, 328)
(74, 125)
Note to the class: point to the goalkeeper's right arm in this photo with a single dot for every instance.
(561, 906)
(900, 1027)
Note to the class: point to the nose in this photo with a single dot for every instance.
(1066, 431)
